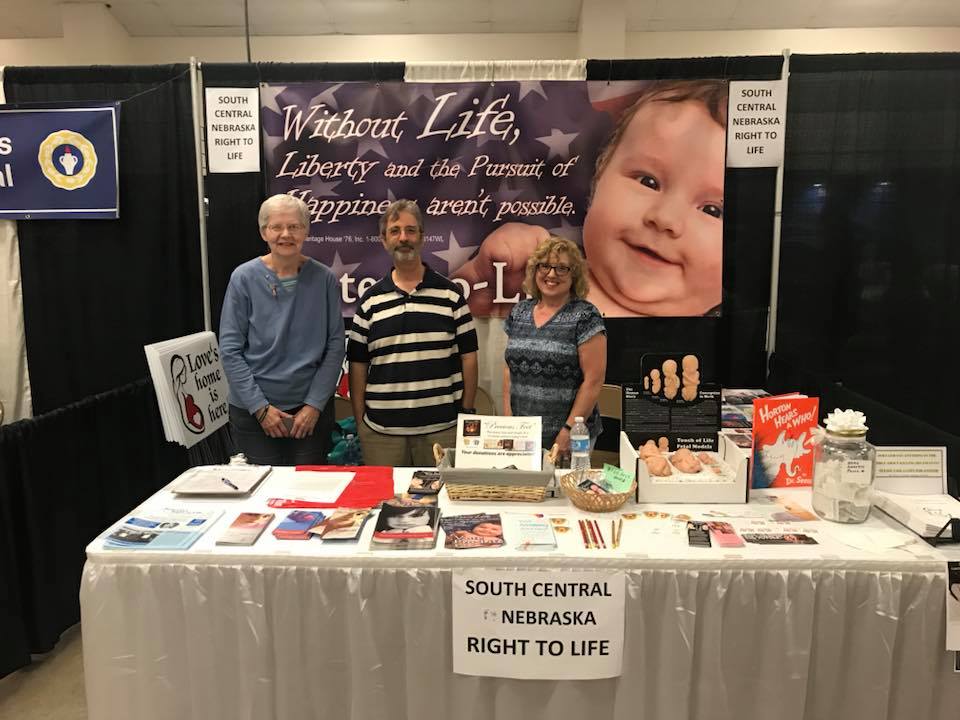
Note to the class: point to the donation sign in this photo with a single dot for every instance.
(543, 625)
(495, 167)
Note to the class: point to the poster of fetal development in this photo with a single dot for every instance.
(632, 172)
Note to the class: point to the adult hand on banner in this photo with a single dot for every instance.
(511, 244)
(304, 422)
(272, 422)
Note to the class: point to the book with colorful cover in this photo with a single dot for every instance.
(464, 532)
(783, 440)
(245, 529)
(343, 524)
(296, 526)
(406, 527)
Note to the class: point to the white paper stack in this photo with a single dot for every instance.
(220, 479)
(191, 386)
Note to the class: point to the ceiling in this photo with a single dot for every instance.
(184, 18)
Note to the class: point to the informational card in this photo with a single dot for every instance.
(911, 470)
(491, 442)
(672, 400)
(538, 625)
(756, 123)
(233, 130)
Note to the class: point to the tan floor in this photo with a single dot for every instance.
(51, 688)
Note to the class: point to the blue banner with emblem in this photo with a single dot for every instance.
(58, 162)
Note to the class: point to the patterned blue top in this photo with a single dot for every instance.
(544, 363)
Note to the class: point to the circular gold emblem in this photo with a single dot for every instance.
(67, 159)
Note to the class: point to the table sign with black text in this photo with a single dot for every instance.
(538, 625)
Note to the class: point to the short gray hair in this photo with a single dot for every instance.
(283, 203)
(393, 212)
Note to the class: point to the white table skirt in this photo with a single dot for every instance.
(212, 633)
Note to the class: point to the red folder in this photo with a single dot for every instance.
(371, 485)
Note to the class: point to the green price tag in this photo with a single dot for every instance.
(616, 479)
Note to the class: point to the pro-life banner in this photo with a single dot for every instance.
(59, 162)
(633, 172)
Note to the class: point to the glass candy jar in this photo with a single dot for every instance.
(843, 469)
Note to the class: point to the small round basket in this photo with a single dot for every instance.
(593, 502)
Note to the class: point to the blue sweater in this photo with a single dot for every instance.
(281, 346)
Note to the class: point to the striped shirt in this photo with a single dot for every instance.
(412, 345)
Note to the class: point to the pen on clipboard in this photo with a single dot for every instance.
(225, 481)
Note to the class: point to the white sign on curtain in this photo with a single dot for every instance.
(542, 625)
(233, 130)
(756, 123)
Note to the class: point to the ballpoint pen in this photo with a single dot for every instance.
(225, 481)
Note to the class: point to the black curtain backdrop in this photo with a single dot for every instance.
(64, 477)
(870, 258)
(731, 347)
(232, 233)
(96, 291)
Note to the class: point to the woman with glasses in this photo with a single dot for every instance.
(282, 344)
(556, 355)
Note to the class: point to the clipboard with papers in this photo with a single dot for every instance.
(220, 479)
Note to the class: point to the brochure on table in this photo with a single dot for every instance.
(910, 485)
(492, 442)
(671, 401)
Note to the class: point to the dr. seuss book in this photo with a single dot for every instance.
(783, 441)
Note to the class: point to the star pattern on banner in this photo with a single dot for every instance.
(327, 98)
(531, 86)
(559, 143)
(369, 144)
(269, 95)
(340, 268)
(419, 90)
(568, 231)
(456, 255)
(324, 189)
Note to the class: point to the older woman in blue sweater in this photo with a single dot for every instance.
(282, 344)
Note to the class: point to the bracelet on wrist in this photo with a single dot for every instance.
(566, 426)
(262, 414)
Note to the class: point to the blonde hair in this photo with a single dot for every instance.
(579, 286)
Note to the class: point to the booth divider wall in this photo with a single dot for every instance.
(871, 282)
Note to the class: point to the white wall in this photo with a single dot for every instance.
(114, 49)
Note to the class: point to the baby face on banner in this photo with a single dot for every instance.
(653, 234)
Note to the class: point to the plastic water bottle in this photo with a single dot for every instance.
(579, 445)
(351, 455)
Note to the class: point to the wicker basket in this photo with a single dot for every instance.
(492, 485)
(593, 502)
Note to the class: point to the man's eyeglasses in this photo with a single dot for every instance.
(291, 228)
(560, 270)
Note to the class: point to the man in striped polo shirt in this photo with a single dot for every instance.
(412, 351)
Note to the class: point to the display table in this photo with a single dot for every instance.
(304, 629)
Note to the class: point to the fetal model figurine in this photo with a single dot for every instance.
(671, 382)
(691, 377)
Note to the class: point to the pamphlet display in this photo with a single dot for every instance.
(672, 401)
(911, 487)
(167, 528)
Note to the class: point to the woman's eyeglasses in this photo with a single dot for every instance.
(560, 270)
(289, 228)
